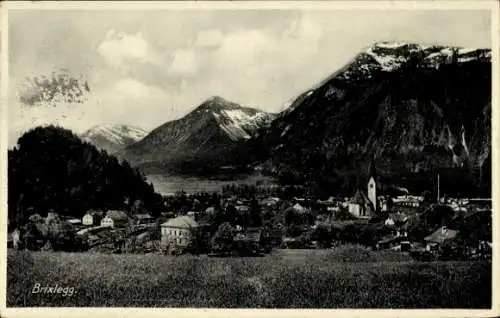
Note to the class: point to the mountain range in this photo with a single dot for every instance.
(409, 110)
(199, 137)
(113, 137)
(406, 109)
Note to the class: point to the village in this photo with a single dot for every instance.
(245, 220)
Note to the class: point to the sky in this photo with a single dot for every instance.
(148, 67)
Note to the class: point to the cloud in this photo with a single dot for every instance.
(184, 63)
(131, 88)
(208, 39)
(255, 67)
(120, 48)
(148, 67)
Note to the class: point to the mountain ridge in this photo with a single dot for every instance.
(202, 134)
(429, 111)
(113, 137)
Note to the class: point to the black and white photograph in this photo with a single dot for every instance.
(226, 155)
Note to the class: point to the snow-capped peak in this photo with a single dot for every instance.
(241, 123)
(389, 45)
(391, 56)
(236, 121)
(116, 133)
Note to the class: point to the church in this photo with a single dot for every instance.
(365, 205)
(370, 203)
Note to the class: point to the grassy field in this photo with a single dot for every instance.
(347, 278)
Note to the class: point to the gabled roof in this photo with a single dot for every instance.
(181, 222)
(360, 198)
(250, 234)
(117, 215)
(393, 239)
(95, 212)
(210, 209)
(36, 218)
(143, 216)
(299, 208)
(441, 235)
(242, 208)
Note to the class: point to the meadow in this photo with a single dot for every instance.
(345, 278)
(170, 184)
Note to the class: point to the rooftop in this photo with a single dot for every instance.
(181, 222)
(117, 215)
(441, 235)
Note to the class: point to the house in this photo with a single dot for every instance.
(360, 205)
(249, 240)
(92, 218)
(299, 208)
(168, 214)
(74, 222)
(144, 218)
(16, 239)
(439, 237)
(192, 214)
(210, 210)
(243, 209)
(178, 231)
(115, 218)
(51, 215)
(270, 201)
(36, 218)
(251, 234)
(408, 201)
(396, 219)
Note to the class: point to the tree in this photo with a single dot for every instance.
(62, 236)
(324, 236)
(31, 237)
(222, 241)
(438, 215)
(52, 168)
(255, 213)
(427, 195)
(138, 207)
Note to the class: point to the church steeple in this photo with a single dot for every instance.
(372, 183)
(372, 171)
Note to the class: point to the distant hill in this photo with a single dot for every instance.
(409, 109)
(113, 138)
(199, 138)
(51, 168)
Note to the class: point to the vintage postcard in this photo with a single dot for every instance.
(294, 156)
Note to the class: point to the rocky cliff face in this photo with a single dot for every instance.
(409, 108)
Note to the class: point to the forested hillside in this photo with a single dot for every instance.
(52, 169)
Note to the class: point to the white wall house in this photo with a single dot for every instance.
(92, 218)
(115, 219)
(178, 231)
(88, 219)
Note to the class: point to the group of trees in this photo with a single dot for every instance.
(182, 203)
(49, 233)
(223, 242)
(52, 169)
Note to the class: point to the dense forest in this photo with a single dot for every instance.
(52, 169)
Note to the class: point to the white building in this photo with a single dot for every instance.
(115, 218)
(178, 231)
